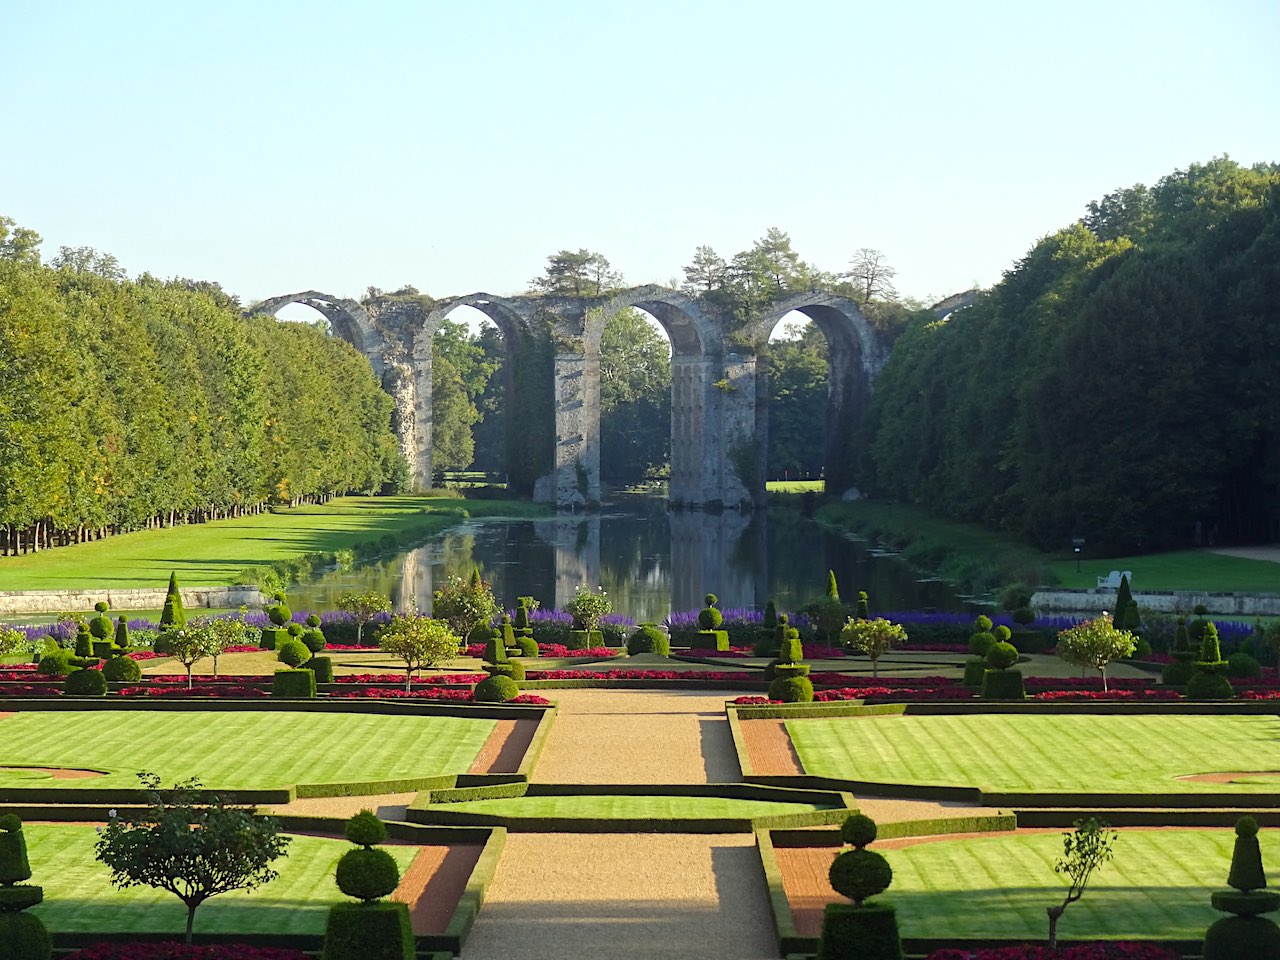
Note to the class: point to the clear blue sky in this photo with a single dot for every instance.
(277, 146)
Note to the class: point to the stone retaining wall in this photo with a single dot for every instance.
(60, 601)
(1166, 601)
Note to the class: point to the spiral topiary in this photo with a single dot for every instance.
(279, 612)
(85, 683)
(649, 638)
(293, 652)
(709, 618)
(496, 690)
(365, 873)
(314, 639)
(174, 614)
(122, 670)
(981, 642)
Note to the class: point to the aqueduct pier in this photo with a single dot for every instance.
(719, 394)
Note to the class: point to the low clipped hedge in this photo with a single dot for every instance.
(368, 931)
(322, 667)
(1003, 685)
(298, 684)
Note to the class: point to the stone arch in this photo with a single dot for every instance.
(347, 318)
(856, 355)
(954, 303)
(697, 348)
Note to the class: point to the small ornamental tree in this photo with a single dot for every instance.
(1084, 850)
(193, 849)
(191, 643)
(873, 638)
(587, 607)
(419, 641)
(464, 604)
(1095, 643)
(221, 633)
(363, 607)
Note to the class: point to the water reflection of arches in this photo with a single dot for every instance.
(575, 545)
(855, 356)
(706, 557)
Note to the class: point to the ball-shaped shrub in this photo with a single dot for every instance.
(1209, 685)
(25, 937)
(710, 618)
(858, 830)
(367, 874)
(313, 620)
(496, 690)
(56, 663)
(528, 646)
(792, 690)
(293, 652)
(279, 612)
(101, 627)
(1240, 664)
(122, 670)
(1234, 938)
(314, 639)
(1002, 634)
(295, 630)
(1002, 656)
(860, 874)
(981, 642)
(982, 624)
(85, 683)
(365, 829)
(648, 638)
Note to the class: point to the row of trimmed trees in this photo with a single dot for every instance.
(134, 403)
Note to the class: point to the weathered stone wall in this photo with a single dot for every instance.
(1094, 602)
(78, 601)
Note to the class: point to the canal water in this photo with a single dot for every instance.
(650, 560)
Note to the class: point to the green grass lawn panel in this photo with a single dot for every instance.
(630, 808)
(79, 898)
(215, 553)
(1157, 886)
(236, 750)
(1044, 754)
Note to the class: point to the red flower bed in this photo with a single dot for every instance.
(532, 699)
(734, 677)
(199, 690)
(145, 655)
(1103, 950)
(179, 951)
(1089, 683)
(455, 694)
(560, 650)
(398, 678)
(32, 690)
(753, 701)
(900, 695)
(1081, 695)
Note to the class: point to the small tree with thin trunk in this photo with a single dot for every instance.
(220, 634)
(190, 644)
(1095, 643)
(364, 607)
(1084, 850)
(194, 850)
(873, 637)
(420, 642)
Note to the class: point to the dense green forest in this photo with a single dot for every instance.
(1119, 384)
(130, 403)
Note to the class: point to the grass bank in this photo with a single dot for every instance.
(267, 549)
(980, 561)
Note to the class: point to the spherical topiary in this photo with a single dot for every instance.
(313, 620)
(860, 874)
(314, 639)
(102, 606)
(981, 642)
(982, 624)
(24, 937)
(1200, 610)
(367, 874)
(710, 618)
(1002, 633)
(1002, 656)
(279, 612)
(1209, 685)
(122, 670)
(528, 646)
(649, 638)
(496, 690)
(295, 630)
(365, 829)
(858, 830)
(293, 652)
(56, 663)
(791, 690)
(85, 683)
(101, 627)
(1233, 938)
(1240, 664)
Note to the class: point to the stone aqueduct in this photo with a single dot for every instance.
(719, 402)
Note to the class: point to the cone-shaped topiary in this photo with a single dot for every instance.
(1123, 596)
(1209, 681)
(864, 609)
(122, 634)
(522, 615)
(709, 618)
(770, 619)
(833, 592)
(14, 865)
(1247, 933)
(174, 614)
(22, 935)
(860, 930)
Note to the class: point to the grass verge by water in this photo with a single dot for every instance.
(234, 750)
(1058, 753)
(78, 896)
(283, 545)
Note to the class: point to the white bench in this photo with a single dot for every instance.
(1112, 580)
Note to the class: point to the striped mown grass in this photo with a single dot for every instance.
(78, 896)
(1156, 886)
(601, 807)
(234, 750)
(1047, 754)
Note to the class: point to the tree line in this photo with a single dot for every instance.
(1119, 384)
(133, 403)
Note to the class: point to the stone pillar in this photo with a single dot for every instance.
(575, 475)
(420, 460)
(688, 431)
(398, 381)
(846, 401)
(743, 444)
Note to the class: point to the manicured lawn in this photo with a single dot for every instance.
(1178, 570)
(1055, 753)
(631, 808)
(795, 486)
(78, 896)
(215, 553)
(1157, 886)
(238, 750)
